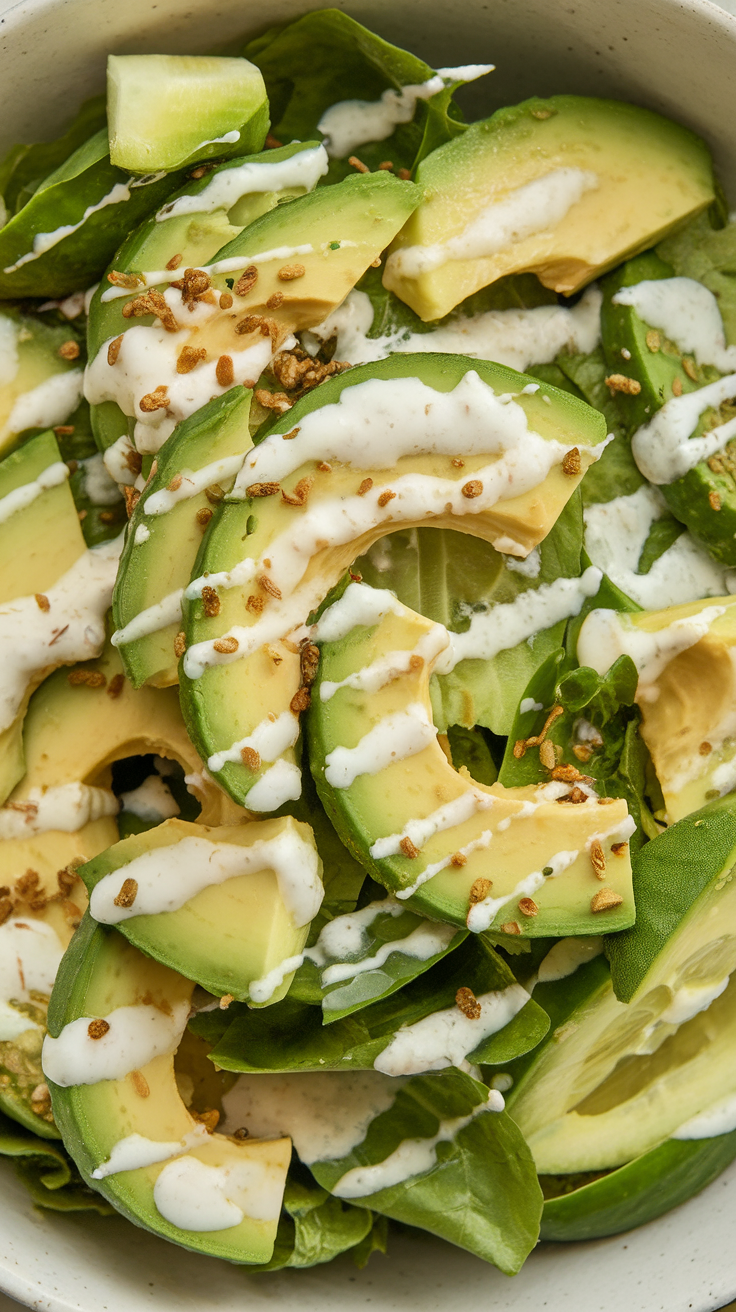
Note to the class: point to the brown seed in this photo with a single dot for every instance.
(69, 350)
(210, 1119)
(226, 301)
(134, 461)
(715, 500)
(129, 280)
(620, 383)
(528, 907)
(224, 371)
(547, 756)
(180, 644)
(387, 164)
(365, 486)
(241, 1133)
(287, 437)
(115, 686)
(210, 602)
(358, 164)
(385, 497)
(195, 284)
(467, 1003)
(42, 601)
(132, 497)
(479, 891)
(140, 1084)
(510, 927)
(677, 387)
(250, 758)
(300, 701)
(97, 1029)
(113, 350)
(91, 678)
(275, 300)
(298, 495)
(203, 516)
(41, 1094)
(262, 489)
(290, 272)
(690, 369)
(598, 858)
(66, 430)
(619, 849)
(174, 262)
(583, 751)
(226, 645)
(272, 143)
(268, 586)
(309, 663)
(174, 483)
(457, 462)
(255, 604)
(156, 400)
(654, 341)
(472, 489)
(151, 303)
(571, 462)
(128, 893)
(458, 859)
(604, 899)
(214, 494)
(408, 848)
(404, 174)
(705, 749)
(225, 1001)
(416, 663)
(247, 281)
(189, 358)
(568, 774)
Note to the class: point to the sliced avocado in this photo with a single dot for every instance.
(41, 386)
(648, 370)
(232, 1184)
(67, 232)
(456, 849)
(231, 904)
(582, 1208)
(619, 1074)
(170, 111)
(225, 701)
(535, 187)
(194, 469)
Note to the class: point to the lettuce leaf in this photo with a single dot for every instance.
(48, 1172)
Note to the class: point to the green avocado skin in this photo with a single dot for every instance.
(639, 1192)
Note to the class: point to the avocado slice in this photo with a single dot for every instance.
(231, 904)
(208, 1192)
(634, 1053)
(76, 218)
(468, 853)
(225, 701)
(194, 469)
(686, 692)
(24, 167)
(535, 187)
(41, 386)
(166, 112)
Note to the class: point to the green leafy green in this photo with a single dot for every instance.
(470, 748)
(481, 1192)
(48, 1172)
(24, 168)
(707, 254)
(290, 1035)
(616, 473)
(315, 1227)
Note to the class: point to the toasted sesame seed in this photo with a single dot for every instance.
(309, 663)
(224, 371)
(269, 586)
(275, 300)
(250, 758)
(605, 899)
(174, 262)
(211, 603)
(358, 164)
(467, 1003)
(547, 757)
(510, 927)
(365, 486)
(479, 889)
(598, 858)
(715, 500)
(255, 604)
(42, 601)
(528, 907)
(300, 701)
(203, 516)
(385, 497)
(140, 1084)
(619, 849)
(97, 1029)
(128, 893)
(571, 462)
(290, 272)
(677, 387)
(408, 848)
(262, 489)
(69, 350)
(226, 646)
(115, 686)
(298, 495)
(653, 341)
(113, 350)
(472, 489)
(690, 369)
(180, 643)
(620, 383)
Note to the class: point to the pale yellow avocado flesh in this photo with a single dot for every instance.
(147, 1102)
(594, 1099)
(36, 345)
(527, 831)
(642, 175)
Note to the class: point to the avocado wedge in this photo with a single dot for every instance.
(42, 383)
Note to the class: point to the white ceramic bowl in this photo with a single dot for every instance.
(672, 56)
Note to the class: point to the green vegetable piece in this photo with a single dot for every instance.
(315, 1228)
(40, 386)
(25, 167)
(66, 234)
(170, 111)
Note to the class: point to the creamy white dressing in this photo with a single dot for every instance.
(228, 184)
(116, 461)
(168, 877)
(325, 1113)
(270, 739)
(391, 666)
(720, 1118)
(687, 313)
(395, 738)
(50, 402)
(9, 355)
(192, 483)
(99, 487)
(21, 497)
(528, 704)
(262, 990)
(65, 808)
(152, 800)
(482, 914)
(141, 535)
(615, 534)
(281, 783)
(358, 605)
(44, 241)
(477, 844)
(135, 1035)
(566, 957)
(691, 999)
(446, 1038)
(419, 831)
(529, 568)
(72, 629)
(664, 449)
(162, 613)
(412, 1157)
(135, 1151)
(517, 338)
(200, 1198)
(537, 206)
(352, 123)
(156, 277)
(427, 940)
(605, 635)
(30, 953)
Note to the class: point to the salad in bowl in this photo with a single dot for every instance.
(368, 632)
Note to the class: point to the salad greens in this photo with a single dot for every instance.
(411, 614)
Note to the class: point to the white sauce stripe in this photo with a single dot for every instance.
(151, 620)
(136, 1035)
(44, 241)
(65, 808)
(153, 278)
(420, 831)
(566, 957)
(192, 483)
(605, 635)
(282, 783)
(52, 476)
(262, 990)
(391, 666)
(687, 313)
(718, 1119)
(476, 845)
(30, 953)
(395, 738)
(426, 941)
(196, 1197)
(664, 449)
(446, 1038)
(270, 739)
(482, 915)
(358, 605)
(134, 1151)
(228, 184)
(50, 402)
(168, 877)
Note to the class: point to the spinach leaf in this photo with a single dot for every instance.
(48, 1172)
(315, 1227)
(707, 254)
(480, 1189)
(24, 168)
(616, 474)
